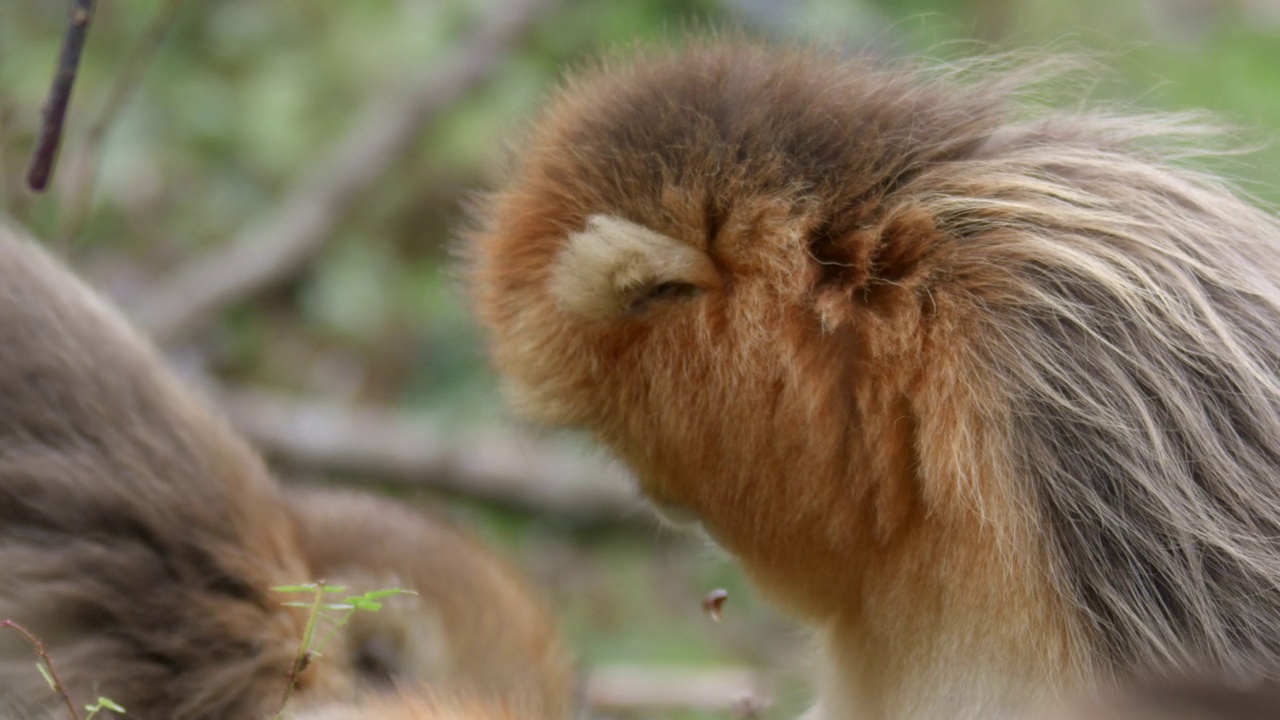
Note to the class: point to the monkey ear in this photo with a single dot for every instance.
(615, 267)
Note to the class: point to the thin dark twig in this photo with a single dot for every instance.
(55, 107)
(43, 652)
(84, 164)
(6, 118)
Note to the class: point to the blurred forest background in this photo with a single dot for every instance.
(270, 188)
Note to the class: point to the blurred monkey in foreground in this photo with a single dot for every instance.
(140, 537)
(988, 394)
(138, 534)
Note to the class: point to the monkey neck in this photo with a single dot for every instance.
(893, 522)
(924, 613)
(946, 624)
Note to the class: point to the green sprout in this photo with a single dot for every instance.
(336, 612)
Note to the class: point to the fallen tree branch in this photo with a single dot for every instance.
(419, 449)
(735, 690)
(282, 242)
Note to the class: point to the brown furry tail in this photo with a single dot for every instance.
(140, 538)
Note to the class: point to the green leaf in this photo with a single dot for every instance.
(376, 594)
(48, 678)
(295, 588)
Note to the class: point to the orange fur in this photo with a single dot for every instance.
(701, 257)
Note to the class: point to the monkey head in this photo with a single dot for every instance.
(711, 261)
(986, 392)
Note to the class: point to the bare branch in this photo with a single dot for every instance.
(83, 165)
(282, 242)
(709, 690)
(55, 105)
(54, 679)
(420, 449)
(7, 115)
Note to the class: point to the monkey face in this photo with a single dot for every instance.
(706, 260)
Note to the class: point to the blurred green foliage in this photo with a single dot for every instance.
(244, 97)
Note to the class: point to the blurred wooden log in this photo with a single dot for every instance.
(283, 241)
(399, 447)
(735, 690)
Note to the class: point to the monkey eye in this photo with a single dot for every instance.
(376, 662)
(668, 290)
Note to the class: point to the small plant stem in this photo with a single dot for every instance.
(304, 651)
(40, 649)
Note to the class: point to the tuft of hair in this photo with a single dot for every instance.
(986, 390)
